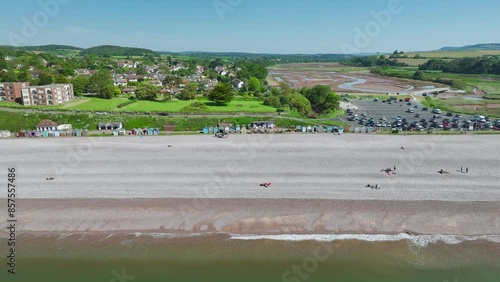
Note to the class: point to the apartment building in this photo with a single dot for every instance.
(54, 94)
(24, 94)
(11, 91)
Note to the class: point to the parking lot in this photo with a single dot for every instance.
(410, 115)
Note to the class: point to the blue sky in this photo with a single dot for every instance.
(258, 26)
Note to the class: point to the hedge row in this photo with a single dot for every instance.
(124, 104)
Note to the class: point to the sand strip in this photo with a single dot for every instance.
(256, 216)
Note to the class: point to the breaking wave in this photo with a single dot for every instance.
(419, 240)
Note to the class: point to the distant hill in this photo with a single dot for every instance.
(52, 48)
(477, 47)
(281, 58)
(110, 50)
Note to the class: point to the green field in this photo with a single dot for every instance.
(96, 104)
(17, 106)
(490, 84)
(253, 106)
(413, 62)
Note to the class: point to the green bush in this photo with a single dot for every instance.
(124, 104)
(273, 101)
(195, 107)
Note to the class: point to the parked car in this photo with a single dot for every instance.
(425, 109)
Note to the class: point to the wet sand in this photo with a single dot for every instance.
(255, 216)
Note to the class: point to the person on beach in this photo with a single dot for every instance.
(467, 170)
(266, 184)
(462, 169)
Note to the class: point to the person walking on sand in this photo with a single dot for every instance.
(467, 170)
(462, 169)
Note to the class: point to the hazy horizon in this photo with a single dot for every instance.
(272, 27)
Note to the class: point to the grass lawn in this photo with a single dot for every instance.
(96, 104)
(252, 106)
(157, 106)
(17, 106)
(493, 96)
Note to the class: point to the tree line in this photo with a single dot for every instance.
(470, 65)
(373, 61)
(109, 50)
(419, 75)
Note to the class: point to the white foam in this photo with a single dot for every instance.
(419, 240)
(64, 236)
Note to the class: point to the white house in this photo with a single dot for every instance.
(238, 83)
(110, 126)
(62, 127)
(47, 125)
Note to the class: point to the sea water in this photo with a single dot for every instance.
(249, 258)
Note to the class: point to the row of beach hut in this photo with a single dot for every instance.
(145, 131)
(53, 133)
(244, 130)
(366, 129)
(317, 129)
